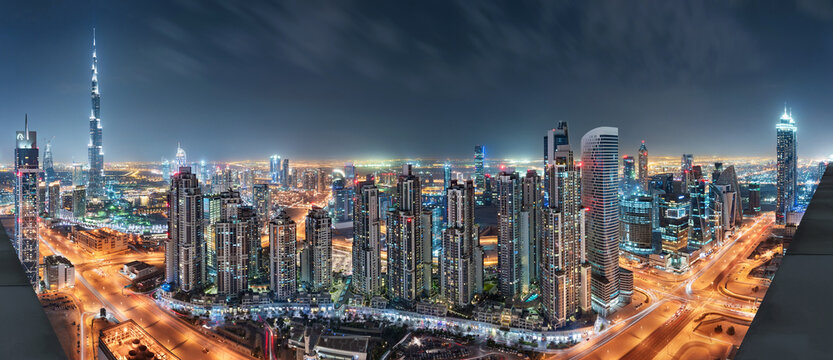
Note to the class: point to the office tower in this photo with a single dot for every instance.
(642, 169)
(786, 159)
(599, 173)
(715, 213)
(637, 229)
(54, 193)
(564, 273)
(94, 149)
(479, 171)
(48, 167)
(185, 246)
(262, 200)
(309, 179)
(406, 265)
(673, 222)
(79, 202)
(729, 192)
(629, 180)
(349, 171)
(686, 168)
(509, 208)
(461, 259)
(318, 250)
(532, 203)
(700, 232)
(718, 168)
(286, 181)
(27, 171)
(275, 169)
(342, 208)
(165, 169)
(366, 233)
(323, 179)
(754, 198)
(282, 239)
(78, 175)
(662, 182)
(41, 198)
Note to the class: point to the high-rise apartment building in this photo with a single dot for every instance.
(786, 160)
(95, 150)
(479, 171)
(27, 172)
(286, 180)
(282, 240)
(275, 169)
(509, 245)
(367, 270)
(237, 245)
(599, 195)
(406, 265)
(461, 259)
(342, 206)
(79, 201)
(532, 203)
(54, 203)
(48, 165)
(185, 246)
(262, 201)
(318, 251)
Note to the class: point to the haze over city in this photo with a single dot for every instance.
(451, 74)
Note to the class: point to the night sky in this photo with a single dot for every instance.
(376, 79)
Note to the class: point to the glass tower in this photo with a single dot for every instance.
(786, 162)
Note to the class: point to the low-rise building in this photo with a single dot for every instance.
(139, 270)
(127, 340)
(378, 302)
(433, 309)
(58, 272)
(316, 343)
(103, 240)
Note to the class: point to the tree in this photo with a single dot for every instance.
(731, 330)
(718, 329)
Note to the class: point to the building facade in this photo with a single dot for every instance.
(318, 250)
(786, 161)
(282, 240)
(185, 246)
(27, 172)
(366, 250)
(509, 245)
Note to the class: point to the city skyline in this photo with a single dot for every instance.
(271, 92)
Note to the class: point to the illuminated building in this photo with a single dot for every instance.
(127, 340)
(41, 198)
(718, 168)
(27, 171)
(662, 182)
(461, 260)
(686, 167)
(629, 180)
(79, 202)
(54, 193)
(282, 239)
(275, 169)
(599, 194)
(185, 247)
(786, 160)
(637, 224)
(426, 233)
(318, 251)
(350, 171)
(58, 272)
(729, 192)
(94, 148)
(237, 245)
(342, 208)
(556, 152)
(642, 168)
(532, 202)
(48, 167)
(700, 231)
(78, 174)
(100, 241)
(262, 201)
(754, 198)
(446, 185)
(286, 181)
(564, 272)
(366, 239)
(181, 158)
(509, 259)
(406, 266)
(479, 171)
(673, 222)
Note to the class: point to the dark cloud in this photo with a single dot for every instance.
(340, 79)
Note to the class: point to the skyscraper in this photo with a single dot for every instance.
(599, 195)
(286, 181)
(95, 185)
(786, 160)
(27, 171)
(406, 266)
(237, 245)
(461, 261)
(532, 203)
(185, 247)
(564, 273)
(366, 239)
(754, 198)
(642, 169)
(637, 220)
(446, 184)
(629, 180)
(181, 158)
(79, 202)
(282, 239)
(509, 246)
(479, 171)
(48, 167)
(275, 168)
(54, 204)
(686, 171)
(318, 250)
(262, 201)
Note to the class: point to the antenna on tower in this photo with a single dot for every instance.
(26, 125)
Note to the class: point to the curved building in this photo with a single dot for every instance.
(636, 224)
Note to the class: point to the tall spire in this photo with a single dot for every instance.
(95, 184)
(26, 125)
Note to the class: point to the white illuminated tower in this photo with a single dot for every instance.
(181, 158)
(185, 247)
(786, 159)
(26, 201)
(599, 195)
(282, 238)
(95, 185)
